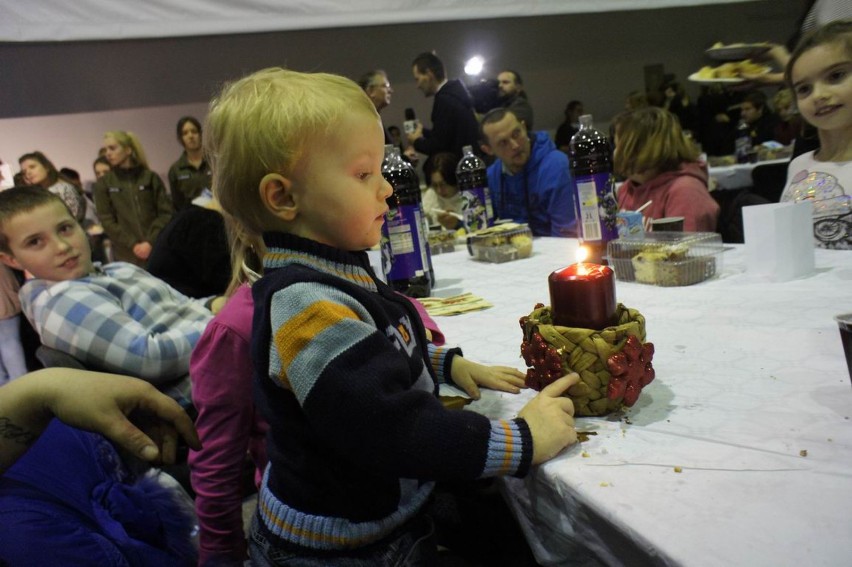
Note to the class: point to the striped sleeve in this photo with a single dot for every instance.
(441, 359)
(312, 325)
(509, 448)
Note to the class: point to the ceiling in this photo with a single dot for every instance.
(83, 20)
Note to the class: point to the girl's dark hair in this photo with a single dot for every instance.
(839, 31)
(182, 122)
(52, 173)
(444, 163)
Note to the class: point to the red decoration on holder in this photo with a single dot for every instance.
(583, 295)
(631, 371)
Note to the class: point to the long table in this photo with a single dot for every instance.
(739, 453)
(738, 175)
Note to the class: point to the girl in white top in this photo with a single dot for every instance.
(820, 74)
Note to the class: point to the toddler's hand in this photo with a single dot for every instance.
(550, 418)
(468, 375)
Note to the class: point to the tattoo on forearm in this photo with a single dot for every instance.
(16, 433)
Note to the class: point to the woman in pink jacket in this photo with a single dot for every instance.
(662, 166)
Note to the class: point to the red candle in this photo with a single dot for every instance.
(583, 295)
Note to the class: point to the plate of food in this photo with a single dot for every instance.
(733, 51)
(728, 73)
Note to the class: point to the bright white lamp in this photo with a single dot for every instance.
(473, 67)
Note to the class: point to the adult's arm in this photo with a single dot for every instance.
(95, 402)
(559, 195)
(178, 198)
(109, 216)
(447, 116)
(689, 198)
(165, 210)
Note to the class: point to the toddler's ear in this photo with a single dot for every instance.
(276, 193)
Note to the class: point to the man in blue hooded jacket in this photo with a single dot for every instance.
(530, 180)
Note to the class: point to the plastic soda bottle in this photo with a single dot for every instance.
(406, 259)
(590, 159)
(742, 143)
(476, 198)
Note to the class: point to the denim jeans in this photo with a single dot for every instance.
(412, 545)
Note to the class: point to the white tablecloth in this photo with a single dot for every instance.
(750, 378)
(737, 176)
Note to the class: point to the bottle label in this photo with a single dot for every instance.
(597, 207)
(477, 208)
(403, 244)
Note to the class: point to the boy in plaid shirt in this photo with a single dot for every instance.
(116, 317)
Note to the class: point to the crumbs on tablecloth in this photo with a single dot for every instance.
(583, 436)
(605, 484)
(803, 453)
(585, 455)
(678, 469)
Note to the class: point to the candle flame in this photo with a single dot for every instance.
(582, 254)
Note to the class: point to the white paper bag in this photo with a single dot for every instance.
(779, 240)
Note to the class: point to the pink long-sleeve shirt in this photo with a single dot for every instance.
(228, 425)
(680, 193)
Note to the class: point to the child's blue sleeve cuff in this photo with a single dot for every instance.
(510, 448)
(441, 359)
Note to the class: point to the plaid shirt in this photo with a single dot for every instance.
(119, 319)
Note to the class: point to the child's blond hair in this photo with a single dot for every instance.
(650, 139)
(129, 141)
(264, 123)
(247, 250)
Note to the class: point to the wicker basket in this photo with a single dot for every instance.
(552, 351)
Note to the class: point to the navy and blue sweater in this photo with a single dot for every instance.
(348, 383)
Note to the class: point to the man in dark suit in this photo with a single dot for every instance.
(454, 123)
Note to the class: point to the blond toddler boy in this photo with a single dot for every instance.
(344, 373)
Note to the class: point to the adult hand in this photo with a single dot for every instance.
(448, 221)
(550, 417)
(142, 250)
(128, 411)
(469, 375)
(412, 156)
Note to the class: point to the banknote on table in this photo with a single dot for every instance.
(454, 305)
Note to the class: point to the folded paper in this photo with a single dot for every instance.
(779, 240)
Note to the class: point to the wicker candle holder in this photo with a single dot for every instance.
(614, 363)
